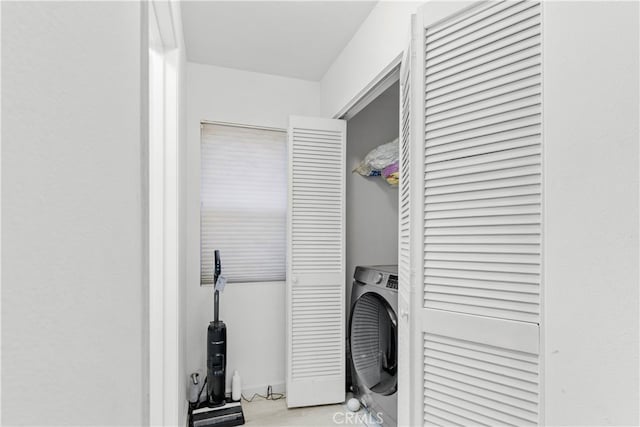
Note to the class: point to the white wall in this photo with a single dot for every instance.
(254, 313)
(380, 39)
(72, 213)
(591, 212)
(372, 204)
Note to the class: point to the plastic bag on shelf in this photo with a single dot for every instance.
(378, 159)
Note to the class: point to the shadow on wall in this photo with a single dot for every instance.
(372, 204)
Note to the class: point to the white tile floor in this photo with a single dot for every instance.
(262, 412)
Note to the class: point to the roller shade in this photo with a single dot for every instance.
(243, 198)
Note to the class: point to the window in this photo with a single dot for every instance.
(243, 198)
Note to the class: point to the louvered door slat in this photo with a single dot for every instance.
(494, 162)
(479, 370)
(314, 156)
(463, 149)
(315, 262)
(484, 16)
(482, 159)
(486, 109)
(484, 382)
(474, 37)
(404, 243)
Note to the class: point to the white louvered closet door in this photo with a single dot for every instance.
(404, 241)
(409, 223)
(315, 262)
(479, 296)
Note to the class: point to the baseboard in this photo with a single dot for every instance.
(249, 390)
(186, 414)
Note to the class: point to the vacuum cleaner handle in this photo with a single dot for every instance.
(217, 268)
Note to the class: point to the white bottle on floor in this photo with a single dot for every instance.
(236, 387)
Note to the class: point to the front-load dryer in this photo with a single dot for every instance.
(373, 340)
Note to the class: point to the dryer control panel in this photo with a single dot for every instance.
(392, 283)
(385, 276)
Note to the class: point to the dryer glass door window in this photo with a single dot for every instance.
(374, 342)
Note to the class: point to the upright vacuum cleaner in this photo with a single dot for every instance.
(216, 411)
(216, 346)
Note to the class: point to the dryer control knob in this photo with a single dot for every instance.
(379, 277)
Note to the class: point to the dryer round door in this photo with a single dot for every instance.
(374, 343)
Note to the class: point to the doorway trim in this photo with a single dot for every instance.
(383, 81)
(164, 347)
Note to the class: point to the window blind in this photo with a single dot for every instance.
(243, 197)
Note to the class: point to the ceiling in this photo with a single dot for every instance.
(297, 39)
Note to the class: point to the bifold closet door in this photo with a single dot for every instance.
(409, 227)
(479, 294)
(315, 262)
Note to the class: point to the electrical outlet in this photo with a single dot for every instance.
(194, 387)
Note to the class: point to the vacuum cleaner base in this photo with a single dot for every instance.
(227, 415)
